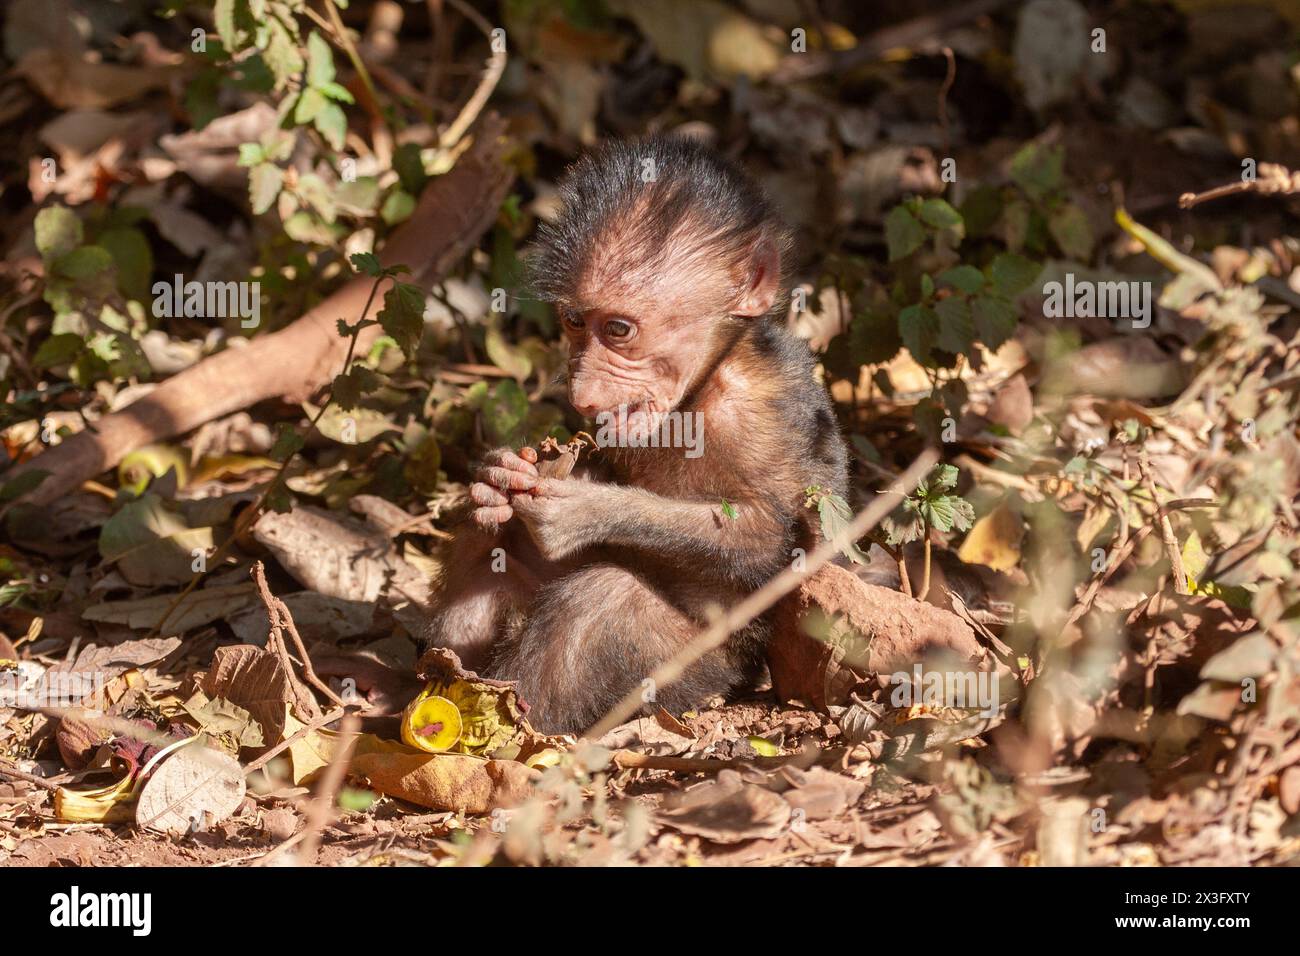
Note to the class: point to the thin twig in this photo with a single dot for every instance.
(635, 760)
(15, 774)
(496, 65)
(344, 38)
(280, 619)
(318, 813)
(943, 99)
(769, 594)
(1273, 179)
(1166, 526)
(317, 724)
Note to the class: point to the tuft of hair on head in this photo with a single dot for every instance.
(635, 211)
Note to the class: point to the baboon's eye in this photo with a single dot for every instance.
(619, 330)
(574, 322)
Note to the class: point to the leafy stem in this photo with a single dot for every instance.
(292, 441)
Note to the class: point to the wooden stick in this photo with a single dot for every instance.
(1166, 526)
(766, 597)
(293, 363)
(322, 806)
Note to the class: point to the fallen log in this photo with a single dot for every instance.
(453, 212)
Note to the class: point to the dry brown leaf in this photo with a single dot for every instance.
(728, 811)
(336, 555)
(255, 680)
(817, 793)
(1013, 406)
(109, 662)
(71, 82)
(456, 782)
(994, 541)
(196, 784)
(198, 608)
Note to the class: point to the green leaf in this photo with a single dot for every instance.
(332, 123)
(1012, 274)
(942, 478)
(948, 512)
(312, 189)
(981, 210)
(1039, 170)
(1015, 224)
(264, 183)
(835, 515)
(956, 330)
(873, 338)
(903, 233)
(940, 215)
(966, 278)
(336, 92)
(287, 444)
(918, 326)
(995, 319)
(359, 197)
(281, 53)
(504, 409)
(58, 232)
(349, 387)
(133, 258)
(903, 524)
(320, 60)
(58, 350)
(308, 106)
(223, 16)
(306, 227)
(83, 263)
(510, 358)
(397, 207)
(729, 510)
(367, 263)
(250, 154)
(402, 316)
(927, 286)
(279, 500)
(1072, 231)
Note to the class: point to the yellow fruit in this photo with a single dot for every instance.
(431, 723)
(143, 465)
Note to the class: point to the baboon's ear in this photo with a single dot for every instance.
(763, 280)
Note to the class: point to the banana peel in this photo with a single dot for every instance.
(468, 745)
(492, 716)
(431, 723)
(143, 465)
(114, 803)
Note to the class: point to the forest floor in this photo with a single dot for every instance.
(219, 528)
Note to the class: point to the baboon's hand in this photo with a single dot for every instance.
(502, 473)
